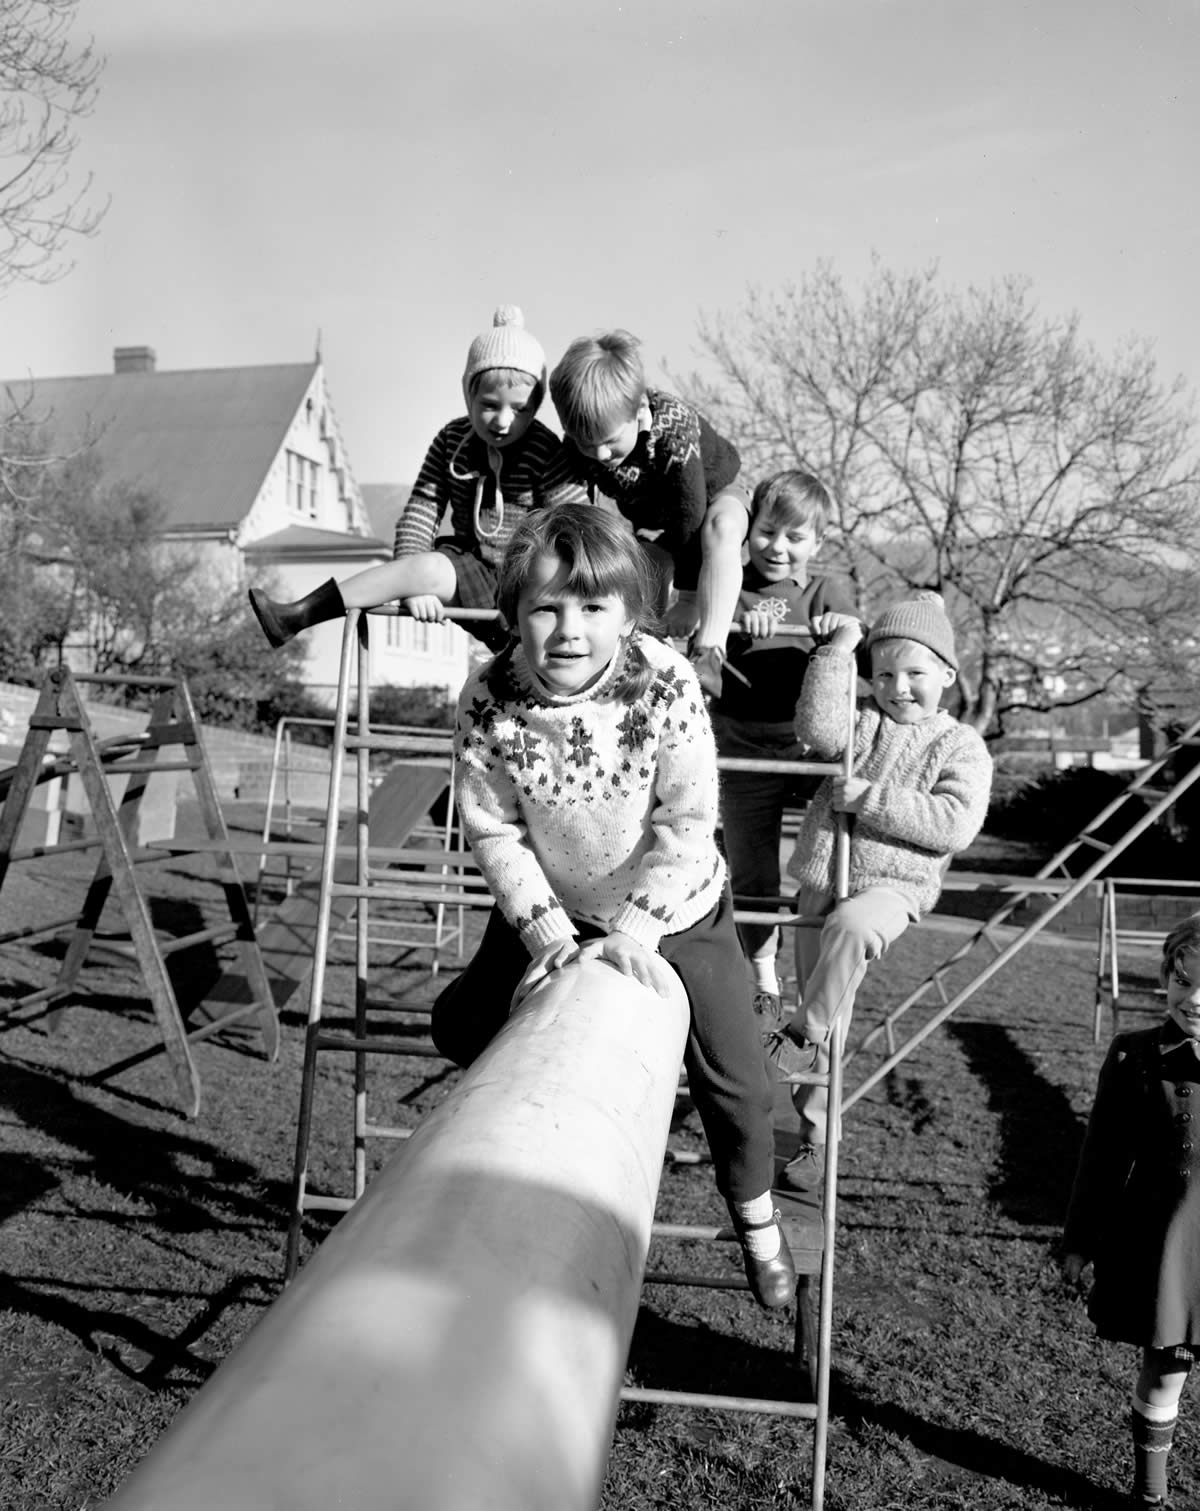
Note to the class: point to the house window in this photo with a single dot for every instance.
(301, 485)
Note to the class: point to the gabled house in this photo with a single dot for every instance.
(251, 468)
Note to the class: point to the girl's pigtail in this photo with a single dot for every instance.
(636, 674)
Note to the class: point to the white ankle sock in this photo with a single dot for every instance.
(765, 977)
(760, 1243)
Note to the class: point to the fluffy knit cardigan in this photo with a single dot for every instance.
(930, 784)
(587, 807)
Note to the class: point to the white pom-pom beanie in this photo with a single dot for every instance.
(507, 344)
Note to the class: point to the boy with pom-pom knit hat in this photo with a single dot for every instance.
(919, 794)
(488, 470)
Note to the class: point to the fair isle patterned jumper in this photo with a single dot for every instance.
(487, 492)
(588, 807)
(929, 795)
(668, 480)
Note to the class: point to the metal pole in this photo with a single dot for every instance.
(459, 1340)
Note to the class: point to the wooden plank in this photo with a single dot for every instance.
(398, 805)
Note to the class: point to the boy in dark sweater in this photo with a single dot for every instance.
(672, 477)
(754, 714)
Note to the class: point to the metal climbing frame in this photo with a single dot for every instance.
(1054, 881)
(440, 875)
(450, 875)
(297, 821)
(1112, 937)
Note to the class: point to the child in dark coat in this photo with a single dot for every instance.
(1135, 1208)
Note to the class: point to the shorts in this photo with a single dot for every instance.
(736, 486)
(476, 581)
(1179, 1353)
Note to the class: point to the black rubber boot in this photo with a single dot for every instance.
(280, 621)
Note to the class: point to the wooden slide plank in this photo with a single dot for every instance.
(286, 942)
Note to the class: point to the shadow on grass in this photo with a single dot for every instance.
(698, 1358)
(1040, 1134)
(22, 1181)
(171, 1362)
(975, 1455)
(670, 1355)
(155, 1166)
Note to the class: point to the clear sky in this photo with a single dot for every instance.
(387, 171)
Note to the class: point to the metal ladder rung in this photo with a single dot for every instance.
(327, 1203)
(800, 1409)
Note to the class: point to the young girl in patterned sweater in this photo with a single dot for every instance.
(587, 788)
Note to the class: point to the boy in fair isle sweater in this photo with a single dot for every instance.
(670, 474)
(919, 793)
(587, 787)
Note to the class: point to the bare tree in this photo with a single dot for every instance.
(89, 574)
(48, 83)
(976, 447)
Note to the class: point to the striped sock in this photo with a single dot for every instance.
(1152, 1427)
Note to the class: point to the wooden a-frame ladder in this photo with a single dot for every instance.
(135, 757)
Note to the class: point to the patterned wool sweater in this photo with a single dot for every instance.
(487, 492)
(589, 808)
(930, 787)
(668, 480)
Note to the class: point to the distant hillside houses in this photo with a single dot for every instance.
(251, 468)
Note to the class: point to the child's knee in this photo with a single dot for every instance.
(862, 935)
(726, 524)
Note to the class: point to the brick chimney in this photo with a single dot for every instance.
(133, 359)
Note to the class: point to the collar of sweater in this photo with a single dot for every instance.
(1171, 1036)
(530, 683)
(473, 458)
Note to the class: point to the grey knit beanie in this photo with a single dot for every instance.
(507, 344)
(921, 618)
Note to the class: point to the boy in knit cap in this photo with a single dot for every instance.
(490, 468)
(919, 794)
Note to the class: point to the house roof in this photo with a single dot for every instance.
(304, 540)
(384, 503)
(201, 440)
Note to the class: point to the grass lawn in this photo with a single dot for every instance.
(137, 1247)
